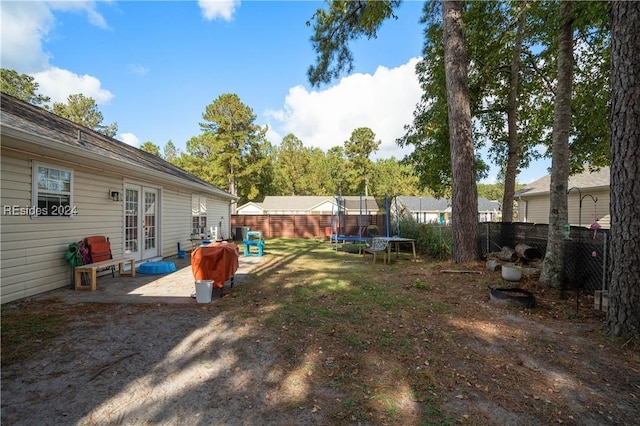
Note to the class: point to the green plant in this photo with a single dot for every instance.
(420, 285)
(432, 239)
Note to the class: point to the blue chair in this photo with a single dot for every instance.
(253, 239)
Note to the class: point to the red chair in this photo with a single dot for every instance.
(99, 250)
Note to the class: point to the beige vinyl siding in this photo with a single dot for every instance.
(32, 249)
(218, 212)
(589, 207)
(176, 221)
(535, 208)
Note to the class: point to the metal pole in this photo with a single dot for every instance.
(360, 222)
(397, 217)
(387, 208)
(604, 264)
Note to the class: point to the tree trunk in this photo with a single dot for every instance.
(464, 201)
(623, 316)
(512, 120)
(553, 265)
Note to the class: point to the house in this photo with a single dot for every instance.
(438, 210)
(310, 205)
(489, 210)
(588, 199)
(62, 182)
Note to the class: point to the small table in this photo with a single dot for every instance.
(391, 241)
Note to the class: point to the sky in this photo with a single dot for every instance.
(154, 66)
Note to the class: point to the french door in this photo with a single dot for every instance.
(141, 229)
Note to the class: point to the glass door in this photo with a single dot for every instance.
(141, 222)
(150, 223)
(132, 222)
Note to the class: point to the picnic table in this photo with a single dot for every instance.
(396, 241)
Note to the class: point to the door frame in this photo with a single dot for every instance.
(142, 253)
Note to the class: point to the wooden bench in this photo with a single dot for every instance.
(92, 269)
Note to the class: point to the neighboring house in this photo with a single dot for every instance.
(62, 182)
(489, 210)
(310, 205)
(438, 210)
(588, 199)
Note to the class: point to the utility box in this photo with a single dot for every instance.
(241, 233)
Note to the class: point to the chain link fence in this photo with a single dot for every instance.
(585, 260)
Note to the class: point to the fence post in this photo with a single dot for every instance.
(604, 262)
(488, 229)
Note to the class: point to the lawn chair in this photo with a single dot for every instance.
(99, 250)
(378, 245)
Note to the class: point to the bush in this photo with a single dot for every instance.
(432, 239)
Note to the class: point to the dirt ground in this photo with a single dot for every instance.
(456, 358)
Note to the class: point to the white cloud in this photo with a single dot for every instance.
(23, 25)
(58, 84)
(90, 7)
(213, 9)
(383, 102)
(130, 139)
(137, 69)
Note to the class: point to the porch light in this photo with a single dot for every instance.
(115, 195)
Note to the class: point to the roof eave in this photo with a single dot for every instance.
(116, 166)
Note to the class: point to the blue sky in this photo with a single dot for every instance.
(153, 67)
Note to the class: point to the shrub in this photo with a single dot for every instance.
(432, 239)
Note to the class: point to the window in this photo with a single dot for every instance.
(52, 192)
(198, 215)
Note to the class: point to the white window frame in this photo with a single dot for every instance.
(55, 211)
(199, 210)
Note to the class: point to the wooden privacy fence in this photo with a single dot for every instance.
(306, 226)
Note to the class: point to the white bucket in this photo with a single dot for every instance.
(511, 273)
(204, 288)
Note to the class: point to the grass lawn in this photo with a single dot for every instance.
(415, 343)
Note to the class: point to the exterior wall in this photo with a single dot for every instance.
(488, 216)
(424, 216)
(218, 215)
(32, 250)
(324, 208)
(535, 208)
(175, 220)
(590, 209)
(249, 209)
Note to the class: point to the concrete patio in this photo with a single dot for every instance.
(174, 288)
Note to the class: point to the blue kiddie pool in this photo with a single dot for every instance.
(159, 267)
